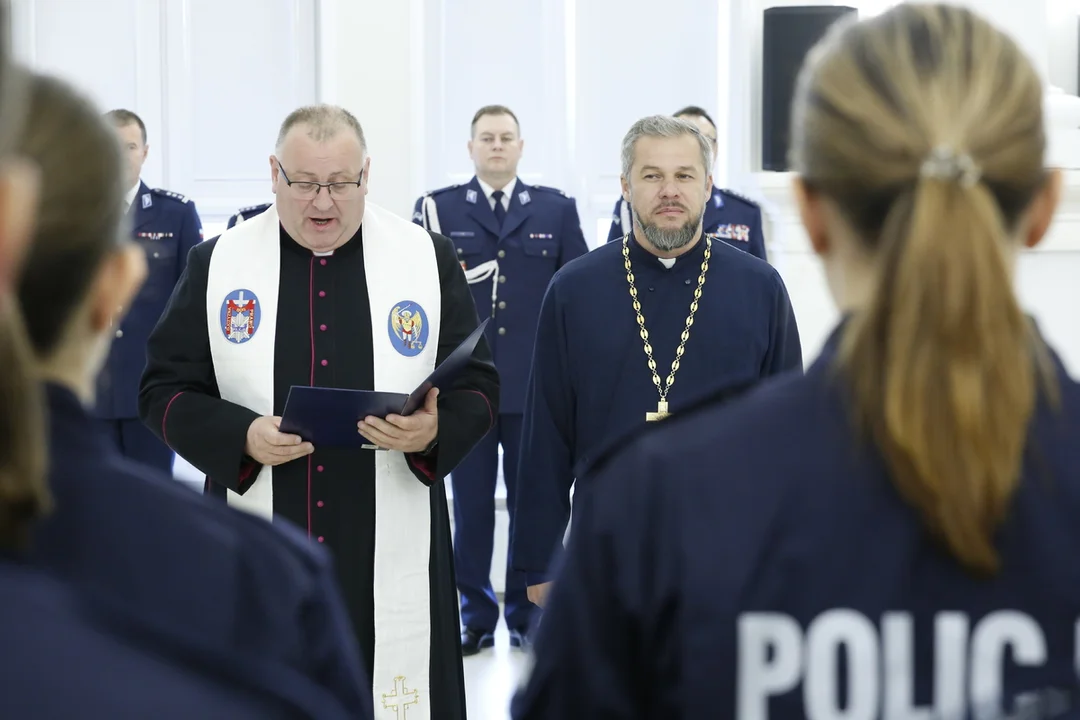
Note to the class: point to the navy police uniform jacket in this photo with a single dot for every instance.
(66, 657)
(167, 226)
(189, 564)
(509, 268)
(591, 382)
(730, 216)
(754, 560)
(247, 213)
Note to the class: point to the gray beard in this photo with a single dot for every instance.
(668, 240)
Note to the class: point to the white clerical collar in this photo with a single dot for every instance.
(488, 190)
(667, 262)
(129, 196)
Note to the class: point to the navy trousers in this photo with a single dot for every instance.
(137, 443)
(474, 482)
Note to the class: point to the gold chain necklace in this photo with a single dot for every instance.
(662, 406)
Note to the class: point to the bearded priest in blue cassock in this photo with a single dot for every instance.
(326, 289)
(638, 329)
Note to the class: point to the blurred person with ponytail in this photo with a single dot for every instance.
(62, 656)
(251, 610)
(912, 551)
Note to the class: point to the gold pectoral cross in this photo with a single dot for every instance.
(660, 414)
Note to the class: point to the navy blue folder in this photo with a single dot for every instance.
(327, 417)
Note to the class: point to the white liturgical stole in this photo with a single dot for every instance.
(405, 301)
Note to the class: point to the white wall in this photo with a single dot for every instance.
(1045, 275)
(371, 61)
(212, 80)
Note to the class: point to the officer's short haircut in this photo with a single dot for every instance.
(122, 118)
(323, 122)
(492, 110)
(694, 111)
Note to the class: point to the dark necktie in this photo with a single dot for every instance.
(500, 211)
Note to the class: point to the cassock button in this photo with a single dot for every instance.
(319, 468)
(323, 261)
(321, 539)
(652, 289)
(502, 278)
(322, 293)
(460, 251)
(325, 363)
(502, 304)
(323, 328)
(320, 503)
(544, 253)
(156, 255)
(687, 281)
(502, 331)
(502, 253)
(119, 333)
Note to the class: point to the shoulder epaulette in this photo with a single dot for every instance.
(253, 208)
(169, 194)
(545, 188)
(440, 191)
(739, 196)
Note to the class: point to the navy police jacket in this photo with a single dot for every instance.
(733, 218)
(247, 213)
(65, 656)
(754, 560)
(508, 269)
(167, 226)
(189, 564)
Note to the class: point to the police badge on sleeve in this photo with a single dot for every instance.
(240, 316)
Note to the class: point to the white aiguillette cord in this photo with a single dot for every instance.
(482, 272)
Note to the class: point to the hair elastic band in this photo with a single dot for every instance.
(944, 163)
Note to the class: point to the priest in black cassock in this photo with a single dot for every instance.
(639, 329)
(326, 289)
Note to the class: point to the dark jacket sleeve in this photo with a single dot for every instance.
(546, 460)
(191, 234)
(573, 239)
(757, 237)
(785, 347)
(616, 230)
(418, 212)
(466, 410)
(178, 394)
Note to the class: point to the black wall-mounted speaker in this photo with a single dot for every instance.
(788, 35)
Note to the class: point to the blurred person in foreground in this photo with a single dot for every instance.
(911, 551)
(246, 604)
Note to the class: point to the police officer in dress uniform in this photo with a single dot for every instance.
(731, 217)
(510, 238)
(247, 213)
(166, 225)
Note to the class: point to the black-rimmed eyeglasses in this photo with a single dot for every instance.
(307, 190)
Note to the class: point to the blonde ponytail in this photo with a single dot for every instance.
(24, 493)
(933, 164)
(941, 364)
